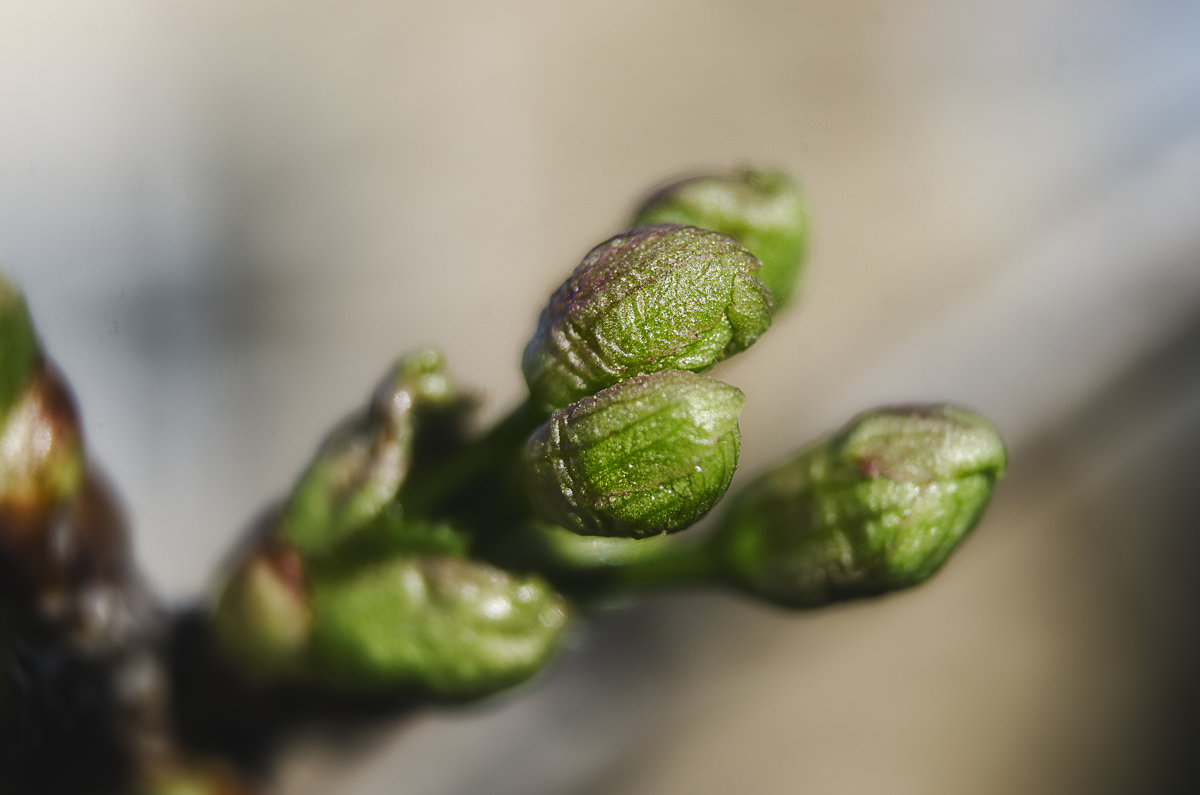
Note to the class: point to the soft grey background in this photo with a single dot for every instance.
(229, 217)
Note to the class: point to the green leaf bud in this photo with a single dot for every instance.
(656, 298)
(262, 614)
(19, 352)
(877, 507)
(42, 461)
(361, 466)
(443, 625)
(762, 210)
(261, 619)
(649, 455)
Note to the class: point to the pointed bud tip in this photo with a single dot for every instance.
(362, 464)
(417, 378)
(261, 617)
(42, 456)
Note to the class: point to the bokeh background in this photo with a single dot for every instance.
(230, 217)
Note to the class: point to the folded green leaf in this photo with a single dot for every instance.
(361, 466)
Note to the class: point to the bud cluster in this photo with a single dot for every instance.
(415, 555)
(345, 591)
(638, 443)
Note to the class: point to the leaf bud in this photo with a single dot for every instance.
(19, 353)
(42, 459)
(649, 455)
(877, 507)
(444, 625)
(655, 298)
(762, 210)
(361, 466)
(262, 618)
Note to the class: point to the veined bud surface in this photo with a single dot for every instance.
(879, 506)
(444, 625)
(763, 210)
(649, 455)
(656, 298)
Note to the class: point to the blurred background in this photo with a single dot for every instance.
(230, 217)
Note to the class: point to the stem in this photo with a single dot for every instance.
(680, 562)
(480, 483)
(591, 566)
(481, 467)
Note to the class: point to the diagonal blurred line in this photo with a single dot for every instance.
(1052, 326)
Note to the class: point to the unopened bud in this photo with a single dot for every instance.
(262, 618)
(762, 210)
(361, 466)
(444, 625)
(655, 298)
(18, 346)
(42, 462)
(879, 506)
(649, 455)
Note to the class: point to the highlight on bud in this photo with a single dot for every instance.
(649, 455)
(261, 618)
(879, 506)
(762, 210)
(655, 298)
(263, 612)
(42, 457)
(19, 352)
(443, 625)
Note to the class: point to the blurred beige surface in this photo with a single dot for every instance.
(230, 217)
